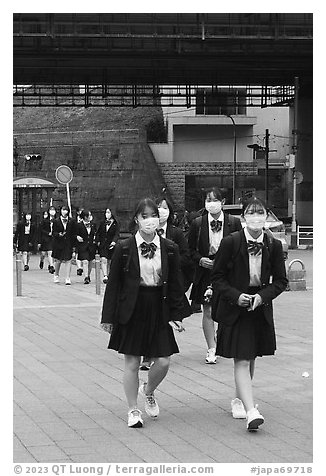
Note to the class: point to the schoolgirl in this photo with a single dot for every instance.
(63, 243)
(243, 267)
(25, 238)
(167, 230)
(79, 263)
(205, 235)
(86, 242)
(142, 301)
(107, 237)
(45, 243)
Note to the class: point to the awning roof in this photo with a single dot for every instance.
(33, 182)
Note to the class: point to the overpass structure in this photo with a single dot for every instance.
(88, 59)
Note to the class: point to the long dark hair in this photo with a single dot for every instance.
(141, 205)
(158, 202)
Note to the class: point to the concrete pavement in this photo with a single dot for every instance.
(69, 404)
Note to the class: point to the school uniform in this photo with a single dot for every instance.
(46, 234)
(25, 236)
(204, 239)
(244, 334)
(108, 232)
(142, 295)
(63, 245)
(87, 248)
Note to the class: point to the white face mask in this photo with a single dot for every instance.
(108, 215)
(64, 213)
(164, 214)
(213, 207)
(148, 225)
(255, 221)
(52, 213)
(28, 217)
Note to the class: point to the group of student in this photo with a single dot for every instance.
(60, 238)
(235, 274)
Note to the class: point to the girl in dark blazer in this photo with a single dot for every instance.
(167, 230)
(63, 242)
(25, 238)
(45, 240)
(86, 242)
(244, 265)
(205, 235)
(107, 237)
(143, 301)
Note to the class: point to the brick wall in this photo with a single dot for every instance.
(174, 174)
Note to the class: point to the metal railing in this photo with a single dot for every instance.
(304, 236)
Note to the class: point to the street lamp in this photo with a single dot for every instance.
(234, 158)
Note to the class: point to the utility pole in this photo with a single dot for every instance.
(295, 149)
(234, 171)
(266, 165)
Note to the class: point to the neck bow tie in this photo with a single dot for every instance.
(108, 222)
(160, 231)
(148, 249)
(216, 225)
(254, 248)
(88, 225)
(64, 220)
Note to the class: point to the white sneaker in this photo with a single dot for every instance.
(135, 419)
(210, 356)
(56, 278)
(254, 419)
(68, 281)
(151, 406)
(238, 410)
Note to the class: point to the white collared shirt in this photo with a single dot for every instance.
(215, 238)
(28, 229)
(254, 260)
(150, 269)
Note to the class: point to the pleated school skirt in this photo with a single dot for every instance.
(249, 337)
(145, 333)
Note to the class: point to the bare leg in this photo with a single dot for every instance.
(208, 326)
(28, 256)
(90, 266)
(243, 383)
(104, 265)
(68, 268)
(156, 373)
(50, 258)
(57, 266)
(131, 380)
(24, 258)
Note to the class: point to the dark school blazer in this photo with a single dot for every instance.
(89, 239)
(186, 264)
(44, 230)
(59, 242)
(19, 236)
(122, 289)
(105, 238)
(231, 278)
(198, 239)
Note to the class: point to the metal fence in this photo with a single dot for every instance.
(304, 236)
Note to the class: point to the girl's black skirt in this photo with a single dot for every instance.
(86, 254)
(198, 289)
(24, 244)
(249, 337)
(47, 244)
(145, 333)
(105, 252)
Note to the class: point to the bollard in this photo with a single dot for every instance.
(97, 274)
(297, 277)
(19, 273)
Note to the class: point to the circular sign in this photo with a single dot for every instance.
(63, 174)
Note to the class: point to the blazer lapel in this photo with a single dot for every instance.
(244, 253)
(134, 254)
(265, 263)
(204, 235)
(164, 261)
(226, 227)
